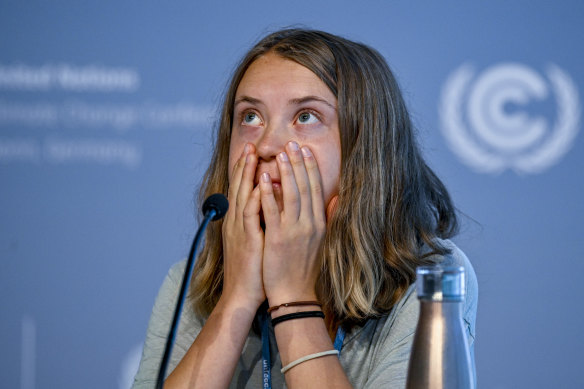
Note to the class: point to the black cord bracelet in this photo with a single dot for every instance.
(297, 315)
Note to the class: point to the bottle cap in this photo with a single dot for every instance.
(440, 283)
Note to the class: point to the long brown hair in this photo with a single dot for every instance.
(391, 206)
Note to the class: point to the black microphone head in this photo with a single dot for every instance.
(216, 202)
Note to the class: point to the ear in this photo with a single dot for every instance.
(331, 207)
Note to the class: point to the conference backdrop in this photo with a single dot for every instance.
(106, 118)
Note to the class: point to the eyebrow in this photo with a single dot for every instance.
(298, 101)
(247, 99)
(311, 98)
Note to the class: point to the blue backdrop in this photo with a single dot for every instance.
(106, 113)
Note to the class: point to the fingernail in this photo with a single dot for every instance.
(293, 146)
(265, 177)
(283, 157)
(246, 148)
(306, 152)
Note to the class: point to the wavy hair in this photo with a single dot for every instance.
(391, 206)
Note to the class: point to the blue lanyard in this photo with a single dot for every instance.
(266, 373)
(266, 367)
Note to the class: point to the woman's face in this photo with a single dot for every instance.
(279, 101)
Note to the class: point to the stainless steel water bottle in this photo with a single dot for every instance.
(440, 357)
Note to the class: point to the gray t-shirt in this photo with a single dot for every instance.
(375, 355)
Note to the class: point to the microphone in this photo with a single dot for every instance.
(214, 208)
(218, 203)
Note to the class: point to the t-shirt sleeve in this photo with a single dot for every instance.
(158, 328)
(389, 367)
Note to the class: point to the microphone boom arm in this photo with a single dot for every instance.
(214, 208)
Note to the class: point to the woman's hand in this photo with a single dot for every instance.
(294, 235)
(243, 238)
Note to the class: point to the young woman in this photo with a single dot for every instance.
(331, 209)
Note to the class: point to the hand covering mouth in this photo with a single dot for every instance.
(274, 177)
(276, 184)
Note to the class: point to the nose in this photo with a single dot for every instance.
(272, 142)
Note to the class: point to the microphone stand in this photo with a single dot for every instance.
(214, 209)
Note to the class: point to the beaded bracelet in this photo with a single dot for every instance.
(297, 315)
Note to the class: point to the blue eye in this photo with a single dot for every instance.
(251, 118)
(307, 118)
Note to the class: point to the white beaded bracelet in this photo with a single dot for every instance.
(308, 358)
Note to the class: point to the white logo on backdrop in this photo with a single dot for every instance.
(485, 120)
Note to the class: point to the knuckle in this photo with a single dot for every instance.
(320, 225)
(303, 189)
(231, 192)
(286, 170)
(266, 194)
(271, 211)
(313, 171)
(266, 189)
(317, 189)
(307, 228)
(247, 213)
(297, 162)
(277, 241)
(239, 202)
(294, 195)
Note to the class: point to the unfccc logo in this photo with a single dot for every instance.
(487, 121)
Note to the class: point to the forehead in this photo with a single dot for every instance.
(272, 74)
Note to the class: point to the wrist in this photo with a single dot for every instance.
(244, 308)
